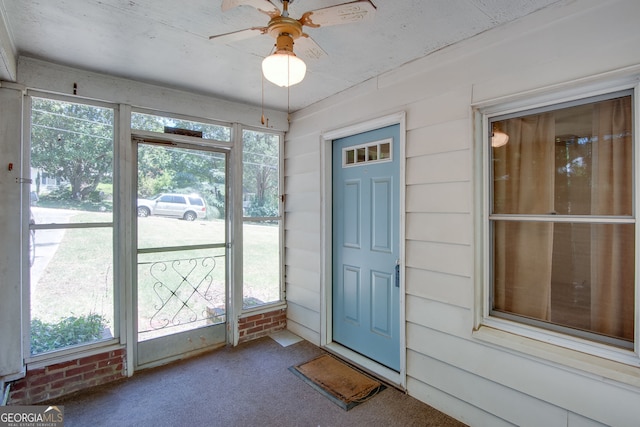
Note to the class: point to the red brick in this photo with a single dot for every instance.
(254, 330)
(18, 395)
(264, 321)
(80, 370)
(93, 359)
(253, 318)
(117, 353)
(20, 384)
(110, 362)
(40, 397)
(64, 382)
(36, 372)
(34, 391)
(247, 325)
(70, 388)
(46, 379)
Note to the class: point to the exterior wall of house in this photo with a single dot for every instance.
(482, 377)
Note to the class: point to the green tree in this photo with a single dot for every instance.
(73, 142)
(260, 172)
(162, 169)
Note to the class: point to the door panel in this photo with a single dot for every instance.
(366, 244)
(181, 284)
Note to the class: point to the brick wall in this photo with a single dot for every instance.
(56, 380)
(260, 325)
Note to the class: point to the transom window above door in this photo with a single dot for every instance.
(372, 152)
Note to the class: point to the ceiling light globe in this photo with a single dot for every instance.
(283, 69)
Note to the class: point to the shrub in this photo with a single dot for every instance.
(67, 332)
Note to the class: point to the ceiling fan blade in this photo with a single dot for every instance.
(306, 47)
(239, 35)
(345, 13)
(264, 6)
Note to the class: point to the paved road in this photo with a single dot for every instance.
(47, 241)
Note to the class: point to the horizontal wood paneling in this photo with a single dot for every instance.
(308, 222)
(445, 258)
(442, 167)
(480, 383)
(440, 227)
(300, 277)
(436, 286)
(298, 202)
(303, 239)
(513, 406)
(449, 197)
(436, 315)
(302, 331)
(302, 163)
(307, 260)
(304, 316)
(302, 183)
(449, 106)
(452, 135)
(587, 395)
(449, 404)
(304, 297)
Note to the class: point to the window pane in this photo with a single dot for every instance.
(573, 275)
(71, 276)
(261, 268)
(571, 161)
(260, 174)
(154, 123)
(71, 287)
(385, 151)
(71, 156)
(261, 239)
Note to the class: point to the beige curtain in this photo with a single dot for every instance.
(612, 246)
(524, 184)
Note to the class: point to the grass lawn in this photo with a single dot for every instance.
(173, 286)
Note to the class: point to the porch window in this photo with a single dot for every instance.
(71, 225)
(562, 222)
(262, 215)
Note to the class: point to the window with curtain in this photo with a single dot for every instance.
(562, 223)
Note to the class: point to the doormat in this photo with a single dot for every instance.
(342, 384)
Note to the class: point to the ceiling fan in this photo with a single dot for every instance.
(283, 67)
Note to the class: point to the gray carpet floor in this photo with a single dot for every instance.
(247, 385)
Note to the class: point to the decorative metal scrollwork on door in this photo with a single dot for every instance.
(185, 292)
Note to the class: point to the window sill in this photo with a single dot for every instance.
(260, 309)
(626, 371)
(66, 355)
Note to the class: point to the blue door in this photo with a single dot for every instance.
(366, 312)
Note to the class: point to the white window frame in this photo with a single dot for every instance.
(509, 333)
(273, 305)
(68, 353)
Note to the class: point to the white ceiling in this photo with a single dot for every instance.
(167, 41)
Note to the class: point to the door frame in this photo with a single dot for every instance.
(326, 267)
(179, 141)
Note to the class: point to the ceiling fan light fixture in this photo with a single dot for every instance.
(284, 68)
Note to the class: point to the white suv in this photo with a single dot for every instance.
(185, 206)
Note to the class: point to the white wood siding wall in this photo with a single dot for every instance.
(479, 383)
